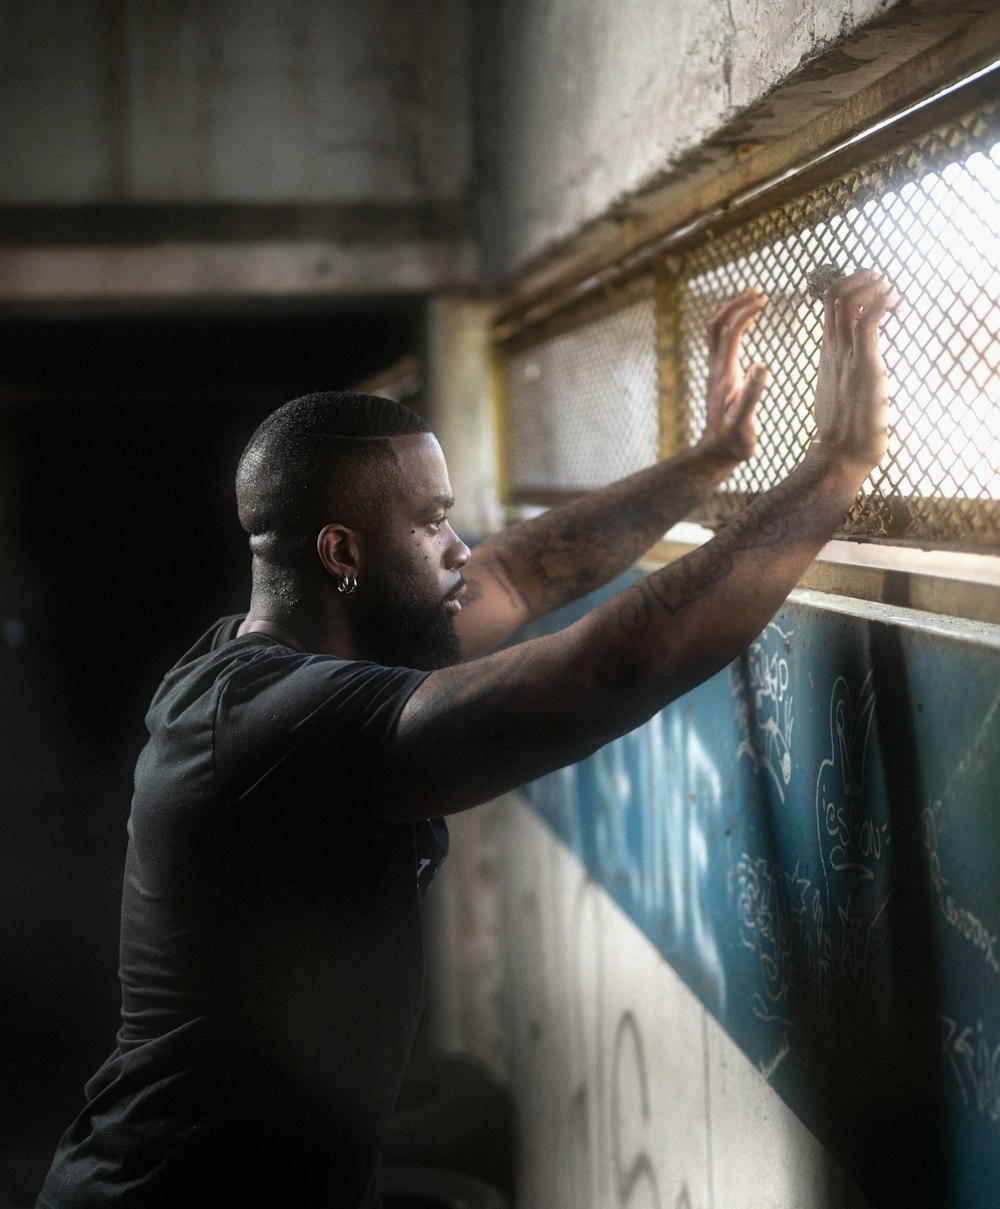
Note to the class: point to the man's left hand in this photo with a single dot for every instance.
(732, 395)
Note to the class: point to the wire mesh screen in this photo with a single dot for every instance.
(928, 217)
(581, 404)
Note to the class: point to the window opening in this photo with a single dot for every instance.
(581, 398)
(927, 216)
(594, 390)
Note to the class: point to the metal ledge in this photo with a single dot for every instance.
(940, 582)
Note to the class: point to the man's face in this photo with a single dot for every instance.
(403, 613)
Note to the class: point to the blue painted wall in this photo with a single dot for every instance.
(812, 839)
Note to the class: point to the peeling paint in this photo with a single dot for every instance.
(834, 63)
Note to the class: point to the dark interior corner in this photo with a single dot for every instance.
(119, 434)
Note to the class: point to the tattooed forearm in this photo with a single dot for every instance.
(491, 573)
(571, 550)
(481, 727)
(766, 522)
(673, 589)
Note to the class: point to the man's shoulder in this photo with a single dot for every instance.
(230, 679)
(193, 686)
(217, 637)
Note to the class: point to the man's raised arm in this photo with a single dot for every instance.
(539, 565)
(475, 730)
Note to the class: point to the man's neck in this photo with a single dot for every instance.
(326, 635)
(257, 625)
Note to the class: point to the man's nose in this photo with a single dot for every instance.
(458, 552)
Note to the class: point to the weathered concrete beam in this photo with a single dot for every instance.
(555, 231)
(115, 272)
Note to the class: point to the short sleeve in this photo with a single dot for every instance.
(301, 735)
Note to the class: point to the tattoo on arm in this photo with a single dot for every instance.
(572, 550)
(501, 575)
(481, 724)
(678, 585)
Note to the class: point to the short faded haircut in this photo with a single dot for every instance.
(321, 458)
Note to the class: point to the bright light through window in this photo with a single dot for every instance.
(592, 388)
(929, 220)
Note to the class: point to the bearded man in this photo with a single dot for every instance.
(287, 815)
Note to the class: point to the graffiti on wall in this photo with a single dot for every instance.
(964, 921)
(762, 706)
(817, 926)
(792, 837)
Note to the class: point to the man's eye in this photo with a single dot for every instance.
(438, 522)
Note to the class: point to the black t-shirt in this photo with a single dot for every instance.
(271, 948)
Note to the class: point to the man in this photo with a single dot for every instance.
(286, 817)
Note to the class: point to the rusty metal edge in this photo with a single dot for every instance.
(583, 265)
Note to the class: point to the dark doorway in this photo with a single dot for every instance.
(119, 435)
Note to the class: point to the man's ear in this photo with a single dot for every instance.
(338, 549)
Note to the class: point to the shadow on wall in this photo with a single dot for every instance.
(862, 1012)
(905, 1110)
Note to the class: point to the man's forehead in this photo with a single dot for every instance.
(424, 472)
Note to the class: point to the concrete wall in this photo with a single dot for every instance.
(589, 109)
(629, 1091)
(639, 1097)
(234, 146)
(459, 362)
(239, 100)
(254, 147)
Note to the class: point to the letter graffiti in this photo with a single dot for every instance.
(975, 1063)
(815, 935)
(640, 1168)
(763, 705)
(960, 918)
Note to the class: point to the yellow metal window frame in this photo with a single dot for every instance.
(777, 233)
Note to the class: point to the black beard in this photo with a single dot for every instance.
(392, 625)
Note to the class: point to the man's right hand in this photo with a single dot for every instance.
(851, 391)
